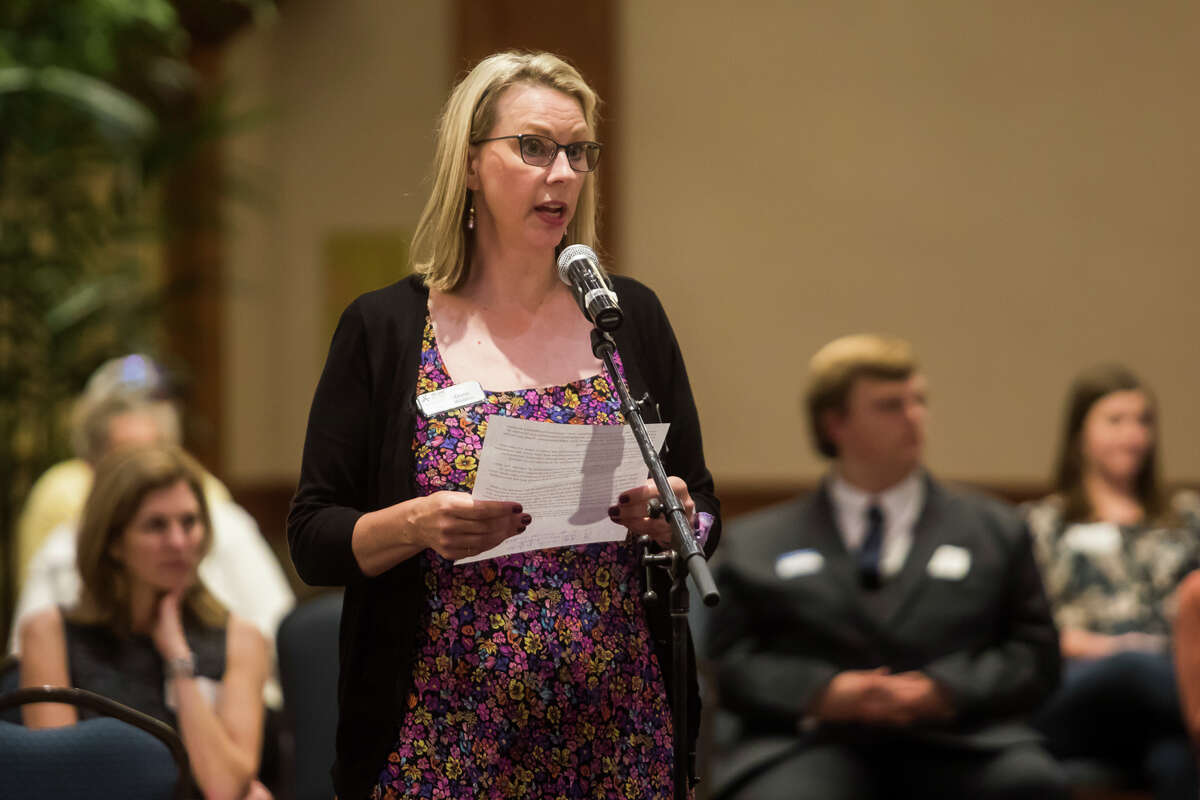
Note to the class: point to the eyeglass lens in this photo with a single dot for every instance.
(540, 151)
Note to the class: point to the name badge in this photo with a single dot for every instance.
(1095, 538)
(799, 563)
(950, 563)
(450, 398)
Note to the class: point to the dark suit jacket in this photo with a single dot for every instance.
(987, 636)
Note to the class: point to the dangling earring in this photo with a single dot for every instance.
(471, 215)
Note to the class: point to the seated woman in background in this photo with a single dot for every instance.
(1113, 550)
(125, 404)
(145, 631)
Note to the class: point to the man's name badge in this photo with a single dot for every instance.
(450, 398)
(950, 563)
(798, 563)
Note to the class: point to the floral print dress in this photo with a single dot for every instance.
(1111, 579)
(534, 675)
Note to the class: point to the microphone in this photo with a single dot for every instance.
(580, 269)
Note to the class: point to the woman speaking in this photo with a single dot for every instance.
(537, 674)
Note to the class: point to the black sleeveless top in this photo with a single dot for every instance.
(129, 669)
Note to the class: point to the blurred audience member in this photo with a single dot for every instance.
(125, 404)
(126, 401)
(145, 631)
(885, 636)
(1113, 549)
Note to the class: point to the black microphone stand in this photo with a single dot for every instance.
(685, 557)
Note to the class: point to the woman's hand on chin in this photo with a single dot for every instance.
(168, 627)
(632, 510)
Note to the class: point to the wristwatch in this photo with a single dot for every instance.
(181, 667)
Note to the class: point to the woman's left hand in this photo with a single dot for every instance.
(168, 628)
(631, 510)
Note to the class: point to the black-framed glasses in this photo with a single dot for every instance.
(540, 151)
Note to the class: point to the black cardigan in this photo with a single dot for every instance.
(358, 458)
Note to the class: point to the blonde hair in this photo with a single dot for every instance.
(837, 365)
(441, 246)
(123, 480)
(93, 416)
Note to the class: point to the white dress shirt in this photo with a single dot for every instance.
(901, 505)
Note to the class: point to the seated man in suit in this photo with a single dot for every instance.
(885, 636)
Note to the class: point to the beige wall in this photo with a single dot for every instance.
(1012, 186)
(1013, 189)
(351, 90)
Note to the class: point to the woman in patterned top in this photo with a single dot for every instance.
(535, 674)
(1113, 549)
(146, 632)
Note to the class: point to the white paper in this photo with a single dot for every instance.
(565, 477)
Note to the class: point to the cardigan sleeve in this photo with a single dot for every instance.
(683, 453)
(333, 473)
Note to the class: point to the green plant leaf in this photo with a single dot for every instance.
(115, 112)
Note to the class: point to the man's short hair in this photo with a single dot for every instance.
(837, 365)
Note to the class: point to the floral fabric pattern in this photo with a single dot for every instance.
(535, 675)
(1111, 579)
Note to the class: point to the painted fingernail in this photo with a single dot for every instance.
(614, 511)
(517, 508)
(623, 499)
(526, 519)
(521, 529)
(696, 522)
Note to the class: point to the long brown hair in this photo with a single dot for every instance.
(1086, 390)
(123, 480)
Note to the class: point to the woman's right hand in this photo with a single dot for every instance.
(456, 525)
(1086, 645)
(167, 633)
(452, 524)
(1142, 642)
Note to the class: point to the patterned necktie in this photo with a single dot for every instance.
(871, 552)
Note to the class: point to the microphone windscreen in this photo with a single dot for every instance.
(571, 254)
